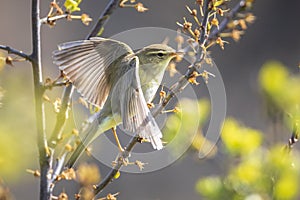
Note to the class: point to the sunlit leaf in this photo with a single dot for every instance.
(249, 171)
(72, 5)
(238, 139)
(272, 78)
(210, 187)
(287, 187)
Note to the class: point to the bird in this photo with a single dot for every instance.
(110, 75)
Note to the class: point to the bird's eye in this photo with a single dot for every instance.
(160, 55)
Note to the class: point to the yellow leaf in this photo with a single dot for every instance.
(272, 78)
(239, 139)
(286, 187)
(72, 5)
(218, 3)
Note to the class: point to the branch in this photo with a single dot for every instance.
(51, 20)
(177, 87)
(15, 52)
(204, 33)
(35, 58)
(120, 161)
(225, 21)
(103, 19)
(62, 116)
(46, 20)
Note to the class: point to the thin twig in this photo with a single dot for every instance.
(62, 116)
(225, 21)
(59, 165)
(46, 20)
(111, 174)
(15, 52)
(103, 19)
(223, 24)
(35, 57)
(56, 84)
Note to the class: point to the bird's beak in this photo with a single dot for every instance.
(178, 53)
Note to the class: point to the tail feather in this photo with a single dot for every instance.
(90, 129)
(150, 131)
(156, 142)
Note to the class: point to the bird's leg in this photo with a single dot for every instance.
(117, 139)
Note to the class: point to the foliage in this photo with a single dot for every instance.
(232, 134)
(261, 173)
(256, 172)
(281, 92)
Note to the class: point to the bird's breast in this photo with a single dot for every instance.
(149, 90)
(150, 78)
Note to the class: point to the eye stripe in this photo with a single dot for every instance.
(156, 53)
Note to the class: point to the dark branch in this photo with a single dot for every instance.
(204, 33)
(15, 52)
(103, 19)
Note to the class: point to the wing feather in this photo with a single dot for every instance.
(88, 65)
(135, 113)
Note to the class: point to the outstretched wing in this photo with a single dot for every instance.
(87, 64)
(135, 113)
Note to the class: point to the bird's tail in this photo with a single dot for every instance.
(90, 129)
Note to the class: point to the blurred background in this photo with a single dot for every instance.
(273, 36)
